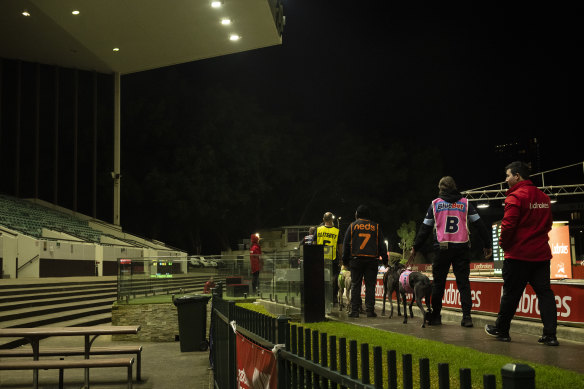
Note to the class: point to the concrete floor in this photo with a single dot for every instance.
(163, 366)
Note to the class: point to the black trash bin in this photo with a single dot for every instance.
(192, 321)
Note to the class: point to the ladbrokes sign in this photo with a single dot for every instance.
(568, 298)
(561, 264)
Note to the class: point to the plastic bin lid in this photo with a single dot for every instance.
(190, 298)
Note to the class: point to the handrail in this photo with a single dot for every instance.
(29, 261)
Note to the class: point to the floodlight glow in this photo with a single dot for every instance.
(234, 37)
(25, 13)
(75, 12)
(216, 4)
(225, 21)
(116, 49)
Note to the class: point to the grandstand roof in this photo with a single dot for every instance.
(149, 33)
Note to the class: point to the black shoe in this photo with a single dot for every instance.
(549, 340)
(353, 314)
(371, 314)
(494, 331)
(466, 321)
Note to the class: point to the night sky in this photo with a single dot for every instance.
(451, 81)
(463, 78)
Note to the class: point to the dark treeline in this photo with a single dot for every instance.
(203, 168)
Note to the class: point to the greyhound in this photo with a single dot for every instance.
(344, 286)
(391, 284)
(421, 287)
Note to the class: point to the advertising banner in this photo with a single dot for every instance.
(561, 264)
(486, 296)
(256, 366)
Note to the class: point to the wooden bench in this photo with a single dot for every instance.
(73, 351)
(70, 364)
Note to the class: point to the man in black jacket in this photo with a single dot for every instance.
(448, 218)
(362, 246)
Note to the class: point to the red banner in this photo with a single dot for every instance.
(256, 366)
(486, 296)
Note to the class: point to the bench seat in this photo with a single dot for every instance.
(73, 351)
(70, 364)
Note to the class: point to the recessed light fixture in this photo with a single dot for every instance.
(75, 12)
(234, 37)
(216, 4)
(226, 21)
(25, 13)
(116, 49)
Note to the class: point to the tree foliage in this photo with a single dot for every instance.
(205, 168)
(407, 234)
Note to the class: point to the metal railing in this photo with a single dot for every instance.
(305, 360)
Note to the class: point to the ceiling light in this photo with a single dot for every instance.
(234, 37)
(116, 49)
(483, 205)
(216, 4)
(226, 21)
(25, 13)
(75, 12)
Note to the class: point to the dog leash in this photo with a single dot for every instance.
(410, 261)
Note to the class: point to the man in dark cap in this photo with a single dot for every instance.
(362, 247)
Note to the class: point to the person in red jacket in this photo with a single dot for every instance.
(210, 284)
(255, 261)
(527, 220)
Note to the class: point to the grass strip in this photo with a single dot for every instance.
(546, 376)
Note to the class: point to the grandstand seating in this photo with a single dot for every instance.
(30, 219)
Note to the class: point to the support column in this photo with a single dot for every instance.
(117, 148)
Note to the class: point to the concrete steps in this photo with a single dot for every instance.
(80, 301)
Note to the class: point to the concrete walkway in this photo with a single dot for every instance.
(524, 335)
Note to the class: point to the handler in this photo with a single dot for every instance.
(449, 214)
(362, 246)
(526, 224)
(327, 235)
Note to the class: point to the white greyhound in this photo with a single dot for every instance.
(344, 282)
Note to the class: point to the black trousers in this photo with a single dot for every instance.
(255, 278)
(363, 267)
(516, 275)
(459, 258)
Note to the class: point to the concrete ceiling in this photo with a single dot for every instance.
(149, 33)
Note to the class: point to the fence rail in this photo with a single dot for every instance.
(305, 362)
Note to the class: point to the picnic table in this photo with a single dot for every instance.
(90, 333)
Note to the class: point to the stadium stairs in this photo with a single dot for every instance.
(73, 302)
